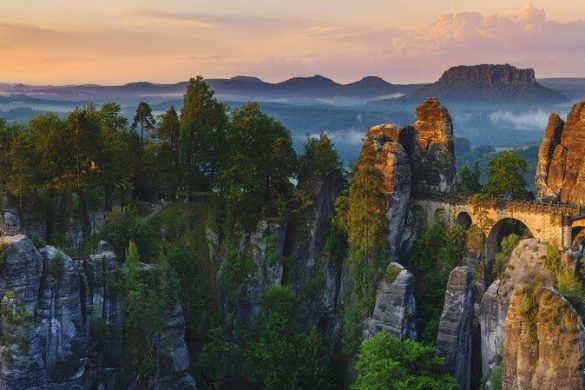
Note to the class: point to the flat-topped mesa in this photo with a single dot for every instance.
(561, 158)
(490, 75)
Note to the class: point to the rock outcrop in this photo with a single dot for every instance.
(454, 340)
(395, 308)
(561, 158)
(433, 158)
(544, 345)
(527, 263)
(48, 302)
(414, 158)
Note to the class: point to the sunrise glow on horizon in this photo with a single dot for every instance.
(114, 42)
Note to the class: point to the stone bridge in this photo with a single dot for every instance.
(562, 224)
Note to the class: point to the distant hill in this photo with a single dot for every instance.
(481, 83)
(573, 87)
(240, 88)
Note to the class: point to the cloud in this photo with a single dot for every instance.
(528, 121)
(349, 136)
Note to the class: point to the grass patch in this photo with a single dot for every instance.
(392, 273)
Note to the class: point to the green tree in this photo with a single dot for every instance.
(151, 293)
(144, 118)
(202, 133)
(319, 158)
(386, 363)
(468, 180)
(509, 243)
(167, 152)
(367, 220)
(259, 166)
(437, 250)
(278, 355)
(505, 176)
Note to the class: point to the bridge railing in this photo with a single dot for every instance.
(559, 208)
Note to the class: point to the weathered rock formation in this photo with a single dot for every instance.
(395, 308)
(433, 158)
(561, 158)
(47, 302)
(544, 345)
(454, 340)
(414, 158)
(527, 263)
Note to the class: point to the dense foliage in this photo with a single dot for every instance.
(505, 176)
(386, 363)
(437, 250)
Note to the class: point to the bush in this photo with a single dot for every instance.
(385, 362)
(277, 353)
(509, 243)
(3, 254)
(98, 329)
(56, 267)
(392, 273)
(437, 250)
(38, 241)
(124, 224)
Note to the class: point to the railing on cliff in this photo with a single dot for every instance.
(564, 209)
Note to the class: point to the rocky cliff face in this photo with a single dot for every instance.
(414, 158)
(527, 263)
(395, 308)
(454, 340)
(544, 345)
(433, 158)
(48, 300)
(560, 174)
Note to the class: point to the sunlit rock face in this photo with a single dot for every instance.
(433, 158)
(413, 158)
(527, 264)
(544, 342)
(561, 158)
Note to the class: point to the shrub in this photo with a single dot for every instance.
(501, 261)
(3, 254)
(56, 267)
(553, 259)
(385, 362)
(98, 329)
(391, 273)
(124, 224)
(38, 241)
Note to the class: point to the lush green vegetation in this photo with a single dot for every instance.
(385, 362)
(508, 244)
(437, 250)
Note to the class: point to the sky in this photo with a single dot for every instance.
(403, 41)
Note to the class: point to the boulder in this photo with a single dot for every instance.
(395, 309)
(455, 336)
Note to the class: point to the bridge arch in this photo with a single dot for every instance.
(503, 228)
(463, 219)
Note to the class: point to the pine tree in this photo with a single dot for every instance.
(143, 117)
(368, 222)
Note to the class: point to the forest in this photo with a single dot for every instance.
(169, 185)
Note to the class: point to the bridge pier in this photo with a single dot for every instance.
(567, 229)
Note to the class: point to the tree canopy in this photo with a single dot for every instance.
(505, 176)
